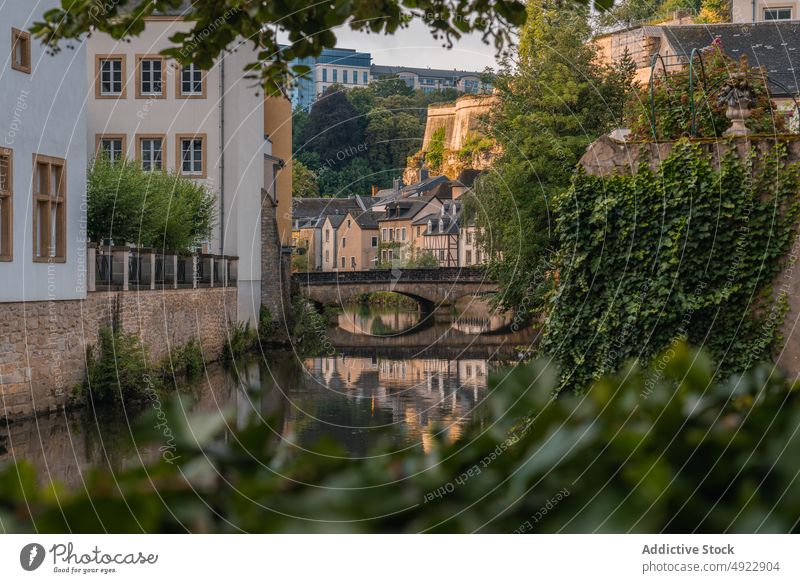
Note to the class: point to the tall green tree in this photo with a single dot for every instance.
(304, 181)
(333, 131)
(555, 99)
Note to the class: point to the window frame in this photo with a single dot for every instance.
(98, 78)
(140, 138)
(374, 242)
(140, 94)
(98, 143)
(7, 210)
(18, 35)
(179, 155)
(179, 84)
(776, 9)
(60, 253)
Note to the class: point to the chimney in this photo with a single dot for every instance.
(396, 184)
(374, 190)
(423, 173)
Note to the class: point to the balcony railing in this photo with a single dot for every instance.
(127, 268)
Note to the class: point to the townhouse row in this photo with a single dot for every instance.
(420, 225)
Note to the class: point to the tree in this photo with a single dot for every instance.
(555, 101)
(304, 181)
(152, 209)
(332, 131)
(391, 85)
(299, 123)
(216, 24)
(392, 136)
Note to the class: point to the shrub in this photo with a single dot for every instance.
(117, 368)
(309, 328)
(241, 339)
(152, 209)
(673, 106)
(266, 325)
(435, 154)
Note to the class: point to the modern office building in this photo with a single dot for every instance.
(430, 80)
(345, 67)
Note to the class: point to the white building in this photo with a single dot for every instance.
(42, 162)
(205, 125)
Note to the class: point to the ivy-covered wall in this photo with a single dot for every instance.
(694, 249)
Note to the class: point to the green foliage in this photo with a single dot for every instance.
(387, 125)
(216, 24)
(332, 131)
(473, 144)
(266, 324)
(304, 181)
(629, 13)
(190, 360)
(666, 449)
(555, 100)
(309, 328)
(300, 262)
(434, 156)
(687, 251)
(673, 106)
(117, 369)
(152, 209)
(240, 340)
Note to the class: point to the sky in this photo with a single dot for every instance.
(414, 47)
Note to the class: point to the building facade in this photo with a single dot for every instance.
(346, 67)
(42, 163)
(764, 11)
(205, 125)
(431, 80)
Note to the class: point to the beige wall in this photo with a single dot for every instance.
(329, 258)
(742, 10)
(278, 126)
(358, 251)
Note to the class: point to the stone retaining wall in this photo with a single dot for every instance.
(43, 344)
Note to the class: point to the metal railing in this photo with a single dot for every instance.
(126, 268)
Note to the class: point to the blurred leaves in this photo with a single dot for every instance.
(685, 457)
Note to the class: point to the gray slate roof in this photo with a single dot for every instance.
(772, 45)
(306, 208)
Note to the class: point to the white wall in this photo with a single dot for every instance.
(238, 182)
(43, 112)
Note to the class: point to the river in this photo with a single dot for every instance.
(395, 375)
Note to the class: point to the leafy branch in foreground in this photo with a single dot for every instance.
(667, 448)
(217, 24)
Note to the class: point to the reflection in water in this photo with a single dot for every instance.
(392, 390)
(358, 400)
(376, 321)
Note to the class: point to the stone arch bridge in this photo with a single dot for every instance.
(431, 287)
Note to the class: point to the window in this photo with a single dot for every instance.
(469, 258)
(352, 262)
(327, 235)
(324, 76)
(374, 241)
(327, 256)
(348, 223)
(469, 237)
(344, 242)
(150, 77)
(112, 145)
(49, 210)
(335, 72)
(342, 262)
(777, 13)
(150, 151)
(364, 78)
(110, 76)
(191, 155)
(20, 50)
(191, 83)
(404, 233)
(6, 195)
(383, 234)
(344, 76)
(355, 77)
